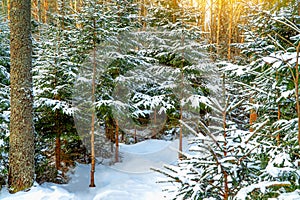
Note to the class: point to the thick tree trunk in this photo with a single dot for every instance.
(21, 152)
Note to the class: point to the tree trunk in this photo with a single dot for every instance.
(143, 15)
(218, 25)
(278, 114)
(154, 126)
(92, 183)
(57, 141)
(117, 142)
(297, 90)
(135, 138)
(45, 10)
(21, 152)
(230, 29)
(253, 116)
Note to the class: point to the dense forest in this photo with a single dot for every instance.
(80, 78)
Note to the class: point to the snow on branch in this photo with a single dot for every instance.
(242, 193)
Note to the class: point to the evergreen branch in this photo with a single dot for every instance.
(256, 130)
(250, 87)
(230, 108)
(289, 24)
(247, 154)
(276, 42)
(176, 179)
(202, 137)
(209, 133)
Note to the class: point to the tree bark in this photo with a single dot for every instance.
(21, 152)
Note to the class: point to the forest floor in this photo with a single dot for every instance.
(130, 179)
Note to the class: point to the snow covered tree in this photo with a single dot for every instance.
(218, 163)
(4, 100)
(56, 62)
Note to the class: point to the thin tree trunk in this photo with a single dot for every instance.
(21, 139)
(253, 116)
(230, 30)
(143, 15)
(207, 15)
(180, 156)
(57, 141)
(117, 142)
(175, 6)
(8, 9)
(297, 90)
(154, 125)
(278, 113)
(57, 97)
(135, 138)
(92, 183)
(226, 187)
(39, 11)
(218, 25)
(35, 11)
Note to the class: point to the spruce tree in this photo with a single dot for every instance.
(56, 61)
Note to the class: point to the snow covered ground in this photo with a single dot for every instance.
(130, 179)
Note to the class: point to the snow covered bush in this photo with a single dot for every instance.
(218, 163)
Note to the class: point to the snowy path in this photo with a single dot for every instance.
(129, 180)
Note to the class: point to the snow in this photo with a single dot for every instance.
(242, 194)
(130, 179)
(290, 196)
